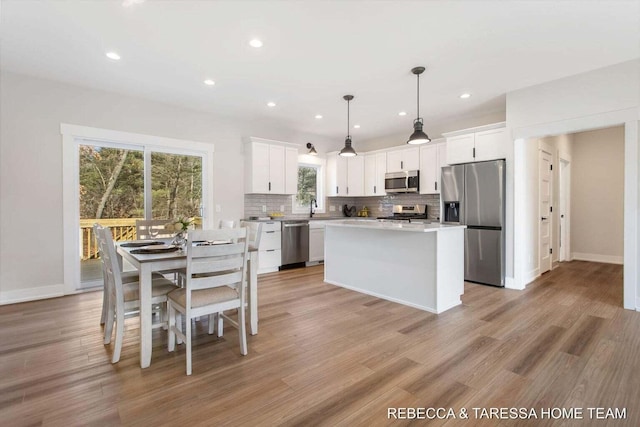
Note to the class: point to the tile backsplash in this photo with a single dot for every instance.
(378, 206)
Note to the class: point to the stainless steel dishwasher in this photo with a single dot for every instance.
(295, 243)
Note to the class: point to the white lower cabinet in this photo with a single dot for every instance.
(270, 250)
(316, 241)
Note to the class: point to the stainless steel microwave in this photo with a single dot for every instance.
(402, 182)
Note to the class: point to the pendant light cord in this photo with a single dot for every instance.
(348, 125)
(418, 97)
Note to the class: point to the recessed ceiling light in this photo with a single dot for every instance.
(402, 113)
(127, 3)
(271, 104)
(356, 126)
(465, 95)
(255, 43)
(318, 116)
(209, 82)
(113, 55)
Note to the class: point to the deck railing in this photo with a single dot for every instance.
(121, 229)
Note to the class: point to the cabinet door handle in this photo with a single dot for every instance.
(269, 232)
(436, 185)
(270, 250)
(474, 152)
(374, 189)
(347, 190)
(544, 218)
(269, 186)
(401, 164)
(337, 190)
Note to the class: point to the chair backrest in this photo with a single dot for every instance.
(111, 267)
(97, 232)
(145, 228)
(254, 233)
(227, 223)
(212, 265)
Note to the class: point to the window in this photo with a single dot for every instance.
(310, 179)
(114, 178)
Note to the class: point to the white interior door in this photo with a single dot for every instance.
(545, 197)
(565, 188)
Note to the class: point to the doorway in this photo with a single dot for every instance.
(564, 198)
(545, 208)
(114, 178)
(121, 184)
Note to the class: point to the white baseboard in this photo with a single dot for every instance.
(510, 283)
(609, 259)
(31, 294)
(531, 276)
(385, 297)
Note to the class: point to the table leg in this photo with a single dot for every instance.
(253, 292)
(145, 316)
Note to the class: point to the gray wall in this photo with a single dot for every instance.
(31, 111)
(597, 196)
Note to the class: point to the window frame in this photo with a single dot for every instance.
(306, 160)
(72, 137)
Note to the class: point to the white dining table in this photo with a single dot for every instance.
(147, 263)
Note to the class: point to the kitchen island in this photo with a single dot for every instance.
(419, 265)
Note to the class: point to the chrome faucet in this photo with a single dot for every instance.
(313, 202)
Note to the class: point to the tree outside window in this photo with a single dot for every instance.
(309, 179)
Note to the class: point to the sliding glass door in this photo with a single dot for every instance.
(120, 184)
(176, 186)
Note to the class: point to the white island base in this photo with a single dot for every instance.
(419, 265)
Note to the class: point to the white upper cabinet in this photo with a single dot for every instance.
(290, 170)
(491, 144)
(355, 176)
(460, 149)
(404, 159)
(345, 175)
(477, 144)
(271, 167)
(432, 158)
(375, 166)
(276, 169)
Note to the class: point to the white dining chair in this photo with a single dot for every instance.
(214, 284)
(126, 276)
(227, 223)
(152, 229)
(124, 298)
(147, 229)
(254, 234)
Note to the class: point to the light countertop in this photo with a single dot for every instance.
(394, 226)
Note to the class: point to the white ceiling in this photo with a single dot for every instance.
(317, 51)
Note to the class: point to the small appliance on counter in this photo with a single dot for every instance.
(407, 213)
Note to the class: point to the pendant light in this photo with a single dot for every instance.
(312, 149)
(418, 136)
(348, 150)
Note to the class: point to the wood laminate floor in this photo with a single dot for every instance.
(329, 356)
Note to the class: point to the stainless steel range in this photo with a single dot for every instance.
(407, 213)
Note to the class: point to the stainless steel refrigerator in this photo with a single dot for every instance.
(473, 195)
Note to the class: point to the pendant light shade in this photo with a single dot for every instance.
(418, 136)
(348, 150)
